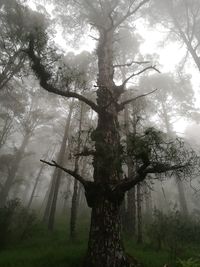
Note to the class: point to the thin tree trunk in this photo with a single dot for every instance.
(182, 199)
(185, 39)
(139, 215)
(35, 186)
(67, 195)
(148, 204)
(13, 171)
(130, 213)
(180, 188)
(74, 206)
(48, 196)
(6, 130)
(131, 205)
(58, 173)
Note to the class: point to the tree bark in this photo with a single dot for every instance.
(105, 248)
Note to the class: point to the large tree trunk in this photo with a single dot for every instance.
(105, 248)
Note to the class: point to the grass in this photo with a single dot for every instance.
(55, 250)
(145, 254)
(46, 250)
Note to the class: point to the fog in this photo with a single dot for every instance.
(99, 133)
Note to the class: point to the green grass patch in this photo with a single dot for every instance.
(46, 249)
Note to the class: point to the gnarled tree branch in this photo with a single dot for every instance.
(129, 183)
(44, 77)
(72, 173)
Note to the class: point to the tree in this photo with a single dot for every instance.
(106, 192)
(15, 21)
(182, 18)
(32, 118)
(49, 215)
(12, 108)
(176, 92)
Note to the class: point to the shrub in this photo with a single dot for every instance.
(190, 262)
(16, 223)
(173, 231)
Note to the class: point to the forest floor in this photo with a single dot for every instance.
(43, 249)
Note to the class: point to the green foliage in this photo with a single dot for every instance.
(46, 249)
(173, 231)
(163, 154)
(190, 262)
(16, 223)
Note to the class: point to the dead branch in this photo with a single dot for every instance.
(140, 72)
(130, 64)
(72, 173)
(122, 105)
(130, 12)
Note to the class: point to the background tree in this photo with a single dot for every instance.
(182, 19)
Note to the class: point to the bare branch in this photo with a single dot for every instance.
(44, 77)
(122, 105)
(73, 173)
(130, 13)
(94, 38)
(130, 64)
(140, 72)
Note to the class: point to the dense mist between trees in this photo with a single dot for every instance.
(99, 133)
